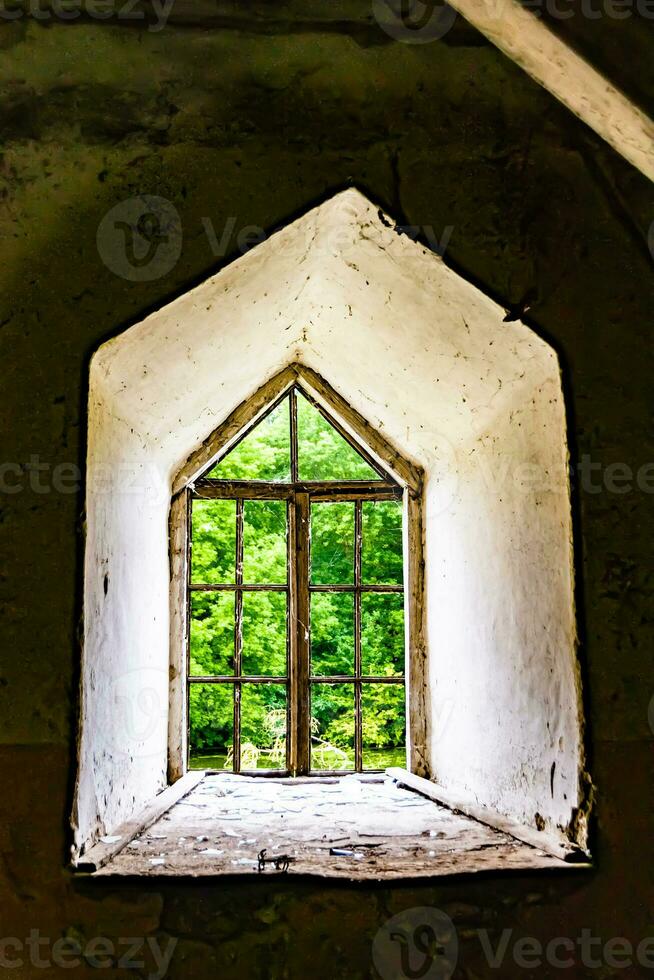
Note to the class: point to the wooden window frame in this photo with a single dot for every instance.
(398, 480)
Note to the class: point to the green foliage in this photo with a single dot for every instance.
(212, 633)
(264, 455)
(382, 634)
(332, 633)
(324, 455)
(213, 553)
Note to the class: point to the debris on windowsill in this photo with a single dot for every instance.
(375, 830)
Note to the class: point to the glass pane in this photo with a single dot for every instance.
(263, 726)
(264, 454)
(332, 633)
(332, 726)
(264, 542)
(211, 723)
(332, 544)
(213, 542)
(264, 633)
(381, 534)
(323, 454)
(382, 633)
(212, 634)
(383, 715)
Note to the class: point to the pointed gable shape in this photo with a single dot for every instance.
(265, 452)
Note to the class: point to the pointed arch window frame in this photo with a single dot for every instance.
(398, 479)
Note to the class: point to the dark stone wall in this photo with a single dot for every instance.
(254, 121)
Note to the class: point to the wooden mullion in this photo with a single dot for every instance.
(294, 440)
(187, 637)
(358, 728)
(293, 695)
(238, 635)
(279, 587)
(339, 495)
(236, 678)
(226, 587)
(318, 489)
(235, 490)
(353, 679)
(302, 633)
(384, 589)
(346, 487)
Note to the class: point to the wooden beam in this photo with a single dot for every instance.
(101, 853)
(318, 489)
(525, 39)
(564, 850)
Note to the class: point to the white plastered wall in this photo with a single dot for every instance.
(506, 689)
(424, 357)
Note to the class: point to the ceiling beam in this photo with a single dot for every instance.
(525, 39)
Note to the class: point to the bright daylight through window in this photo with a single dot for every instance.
(296, 603)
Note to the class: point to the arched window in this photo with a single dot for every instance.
(295, 602)
(293, 635)
(434, 400)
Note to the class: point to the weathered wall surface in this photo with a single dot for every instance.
(253, 125)
(500, 616)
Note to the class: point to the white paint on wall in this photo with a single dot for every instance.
(427, 359)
